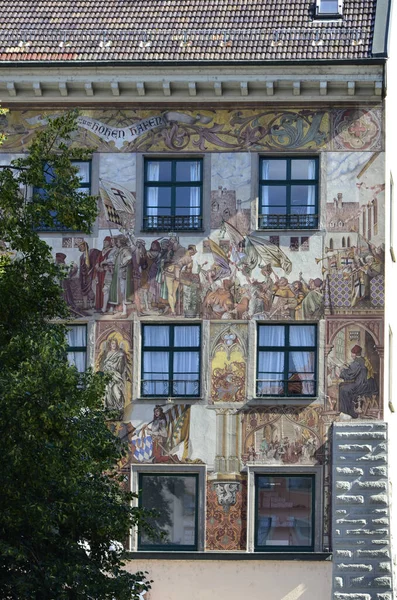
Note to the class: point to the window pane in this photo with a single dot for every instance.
(159, 170)
(158, 197)
(187, 336)
(78, 360)
(328, 7)
(270, 373)
(274, 195)
(156, 335)
(155, 362)
(174, 499)
(302, 335)
(301, 373)
(284, 513)
(84, 170)
(76, 336)
(303, 169)
(188, 170)
(187, 197)
(274, 169)
(303, 194)
(271, 335)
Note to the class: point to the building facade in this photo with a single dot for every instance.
(234, 280)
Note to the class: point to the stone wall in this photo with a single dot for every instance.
(360, 515)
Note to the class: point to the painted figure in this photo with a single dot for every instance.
(88, 260)
(100, 274)
(358, 382)
(115, 363)
(121, 286)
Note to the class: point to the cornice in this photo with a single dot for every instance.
(216, 84)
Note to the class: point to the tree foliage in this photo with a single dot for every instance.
(62, 502)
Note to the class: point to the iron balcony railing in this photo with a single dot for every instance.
(170, 387)
(287, 221)
(297, 385)
(177, 223)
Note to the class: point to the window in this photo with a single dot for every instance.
(84, 173)
(77, 346)
(284, 512)
(173, 195)
(329, 8)
(171, 360)
(288, 193)
(286, 361)
(175, 498)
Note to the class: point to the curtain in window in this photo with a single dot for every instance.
(302, 363)
(308, 203)
(156, 362)
(265, 188)
(271, 363)
(194, 201)
(76, 336)
(78, 360)
(186, 370)
(270, 373)
(152, 204)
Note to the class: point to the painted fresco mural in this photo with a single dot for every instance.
(354, 252)
(231, 275)
(286, 435)
(354, 366)
(146, 130)
(114, 354)
(228, 363)
(226, 515)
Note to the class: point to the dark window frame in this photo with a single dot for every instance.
(170, 222)
(170, 547)
(288, 220)
(286, 349)
(170, 349)
(79, 349)
(269, 548)
(83, 185)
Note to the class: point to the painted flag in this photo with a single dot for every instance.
(178, 426)
(143, 448)
(118, 202)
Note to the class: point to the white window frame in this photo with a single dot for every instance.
(316, 470)
(200, 470)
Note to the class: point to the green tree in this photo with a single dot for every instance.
(63, 508)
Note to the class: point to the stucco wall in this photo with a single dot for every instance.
(236, 579)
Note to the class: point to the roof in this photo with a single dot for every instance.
(182, 30)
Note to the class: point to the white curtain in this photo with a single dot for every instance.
(271, 363)
(302, 362)
(77, 338)
(194, 204)
(265, 190)
(306, 206)
(152, 204)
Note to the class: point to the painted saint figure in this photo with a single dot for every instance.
(358, 381)
(115, 363)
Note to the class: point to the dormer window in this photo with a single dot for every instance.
(329, 9)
